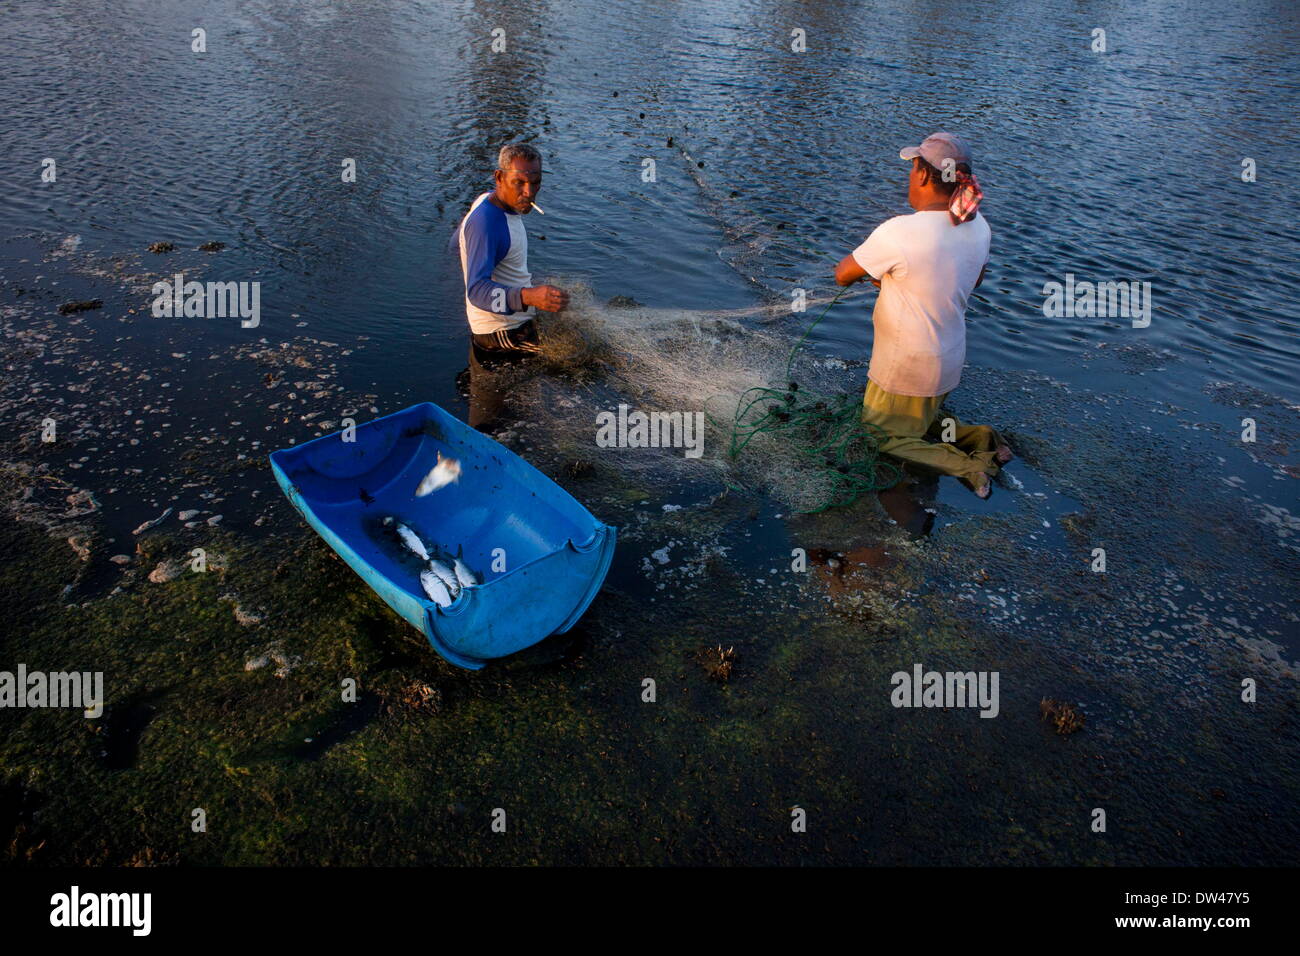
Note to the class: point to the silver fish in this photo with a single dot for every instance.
(464, 575)
(443, 473)
(445, 575)
(410, 539)
(434, 587)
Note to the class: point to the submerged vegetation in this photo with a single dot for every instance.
(275, 693)
(718, 663)
(1064, 717)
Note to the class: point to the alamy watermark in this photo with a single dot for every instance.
(53, 689)
(208, 300)
(75, 908)
(946, 689)
(637, 429)
(1129, 299)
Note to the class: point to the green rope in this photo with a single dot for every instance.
(829, 432)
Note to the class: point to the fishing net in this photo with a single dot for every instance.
(778, 422)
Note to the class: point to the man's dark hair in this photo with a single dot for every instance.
(934, 175)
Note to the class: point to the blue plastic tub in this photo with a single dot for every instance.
(549, 553)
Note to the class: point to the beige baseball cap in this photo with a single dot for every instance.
(937, 147)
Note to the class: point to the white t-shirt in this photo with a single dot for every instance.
(927, 268)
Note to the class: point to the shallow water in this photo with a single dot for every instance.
(1117, 166)
(1120, 166)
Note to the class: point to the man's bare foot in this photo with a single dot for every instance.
(1004, 454)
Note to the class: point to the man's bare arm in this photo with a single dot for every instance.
(848, 272)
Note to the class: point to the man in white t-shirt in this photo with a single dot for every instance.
(926, 265)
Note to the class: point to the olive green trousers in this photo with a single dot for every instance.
(970, 451)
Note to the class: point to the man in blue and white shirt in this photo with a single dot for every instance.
(500, 298)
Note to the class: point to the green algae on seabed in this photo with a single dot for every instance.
(248, 722)
(582, 773)
(585, 769)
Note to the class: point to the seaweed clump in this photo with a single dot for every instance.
(81, 305)
(718, 664)
(410, 695)
(579, 468)
(1066, 718)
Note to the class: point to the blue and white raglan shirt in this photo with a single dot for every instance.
(494, 260)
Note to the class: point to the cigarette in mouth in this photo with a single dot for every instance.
(540, 210)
